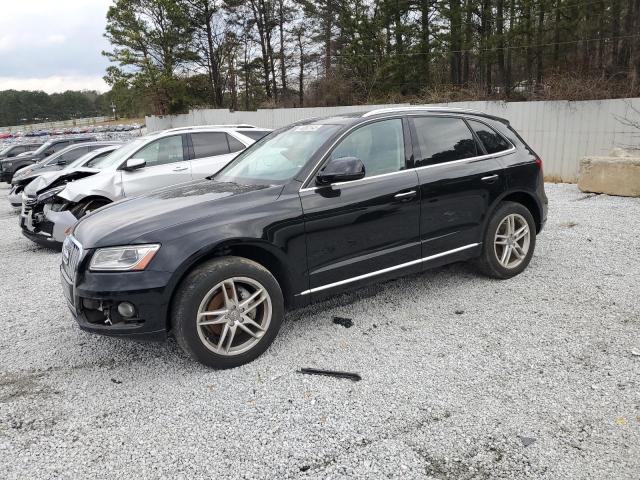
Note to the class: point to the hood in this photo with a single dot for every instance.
(42, 181)
(144, 218)
(27, 174)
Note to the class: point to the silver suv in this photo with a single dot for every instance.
(147, 163)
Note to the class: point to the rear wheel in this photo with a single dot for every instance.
(509, 241)
(227, 312)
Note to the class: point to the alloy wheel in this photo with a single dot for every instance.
(234, 315)
(512, 241)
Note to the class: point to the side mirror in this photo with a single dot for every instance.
(134, 164)
(61, 161)
(342, 169)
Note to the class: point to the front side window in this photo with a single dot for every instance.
(379, 145)
(162, 151)
(493, 143)
(278, 157)
(209, 144)
(442, 139)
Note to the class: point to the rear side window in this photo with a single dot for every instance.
(442, 139)
(254, 134)
(209, 144)
(493, 143)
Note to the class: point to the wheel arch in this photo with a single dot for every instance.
(523, 197)
(258, 251)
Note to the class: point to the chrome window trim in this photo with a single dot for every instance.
(387, 270)
(470, 159)
(460, 115)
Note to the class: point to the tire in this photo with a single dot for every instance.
(501, 235)
(209, 288)
(87, 206)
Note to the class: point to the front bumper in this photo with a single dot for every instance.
(49, 229)
(93, 299)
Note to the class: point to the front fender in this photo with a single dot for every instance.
(104, 184)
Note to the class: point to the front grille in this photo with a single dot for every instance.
(71, 255)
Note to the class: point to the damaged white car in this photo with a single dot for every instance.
(52, 205)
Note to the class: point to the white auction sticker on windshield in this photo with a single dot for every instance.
(308, 128)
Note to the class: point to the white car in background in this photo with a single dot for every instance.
(147, 163)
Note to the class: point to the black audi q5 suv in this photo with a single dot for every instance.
(306, 212)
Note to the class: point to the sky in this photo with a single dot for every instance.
(53, 45)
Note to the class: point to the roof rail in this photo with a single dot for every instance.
(193, 127)
(423, 107)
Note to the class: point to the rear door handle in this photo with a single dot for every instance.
(490, 178)
(180, 169)
(405, 195)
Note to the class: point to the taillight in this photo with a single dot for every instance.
(539, 163)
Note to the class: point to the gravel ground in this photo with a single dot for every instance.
(462, 377)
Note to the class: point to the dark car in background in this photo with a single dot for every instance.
(306, 212)
(60, 159)
(15, 150)
(10, 166)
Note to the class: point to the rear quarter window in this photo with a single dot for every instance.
(235, 145)
(254, 134)
(492, 141)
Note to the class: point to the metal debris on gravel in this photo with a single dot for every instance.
(443, 395)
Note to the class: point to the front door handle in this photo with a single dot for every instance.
(405, 195)
(490, 178)
(180, 169)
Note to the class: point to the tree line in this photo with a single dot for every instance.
(244, 54)
(24, 107)
(171, 55)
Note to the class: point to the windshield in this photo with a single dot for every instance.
(120, 155)
(80, 162)
(277, 157)
(52, 159)
(42, 148)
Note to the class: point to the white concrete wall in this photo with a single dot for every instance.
(560, 132)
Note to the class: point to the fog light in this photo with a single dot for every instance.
(126, 309)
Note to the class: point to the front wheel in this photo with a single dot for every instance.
(227, 312)
(509, 241)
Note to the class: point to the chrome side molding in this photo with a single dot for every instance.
(387, 270)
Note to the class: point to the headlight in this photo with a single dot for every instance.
(8, 164)
(129, 258)
(50, 193)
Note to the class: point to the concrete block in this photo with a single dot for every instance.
(614, 175)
